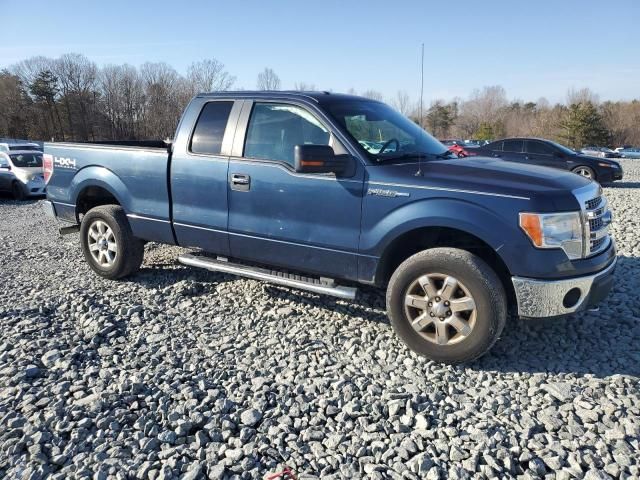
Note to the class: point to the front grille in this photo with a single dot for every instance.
(596, 228)
(596, 224)
(598, 244)
(593, 203)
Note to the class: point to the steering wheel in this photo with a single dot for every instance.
(387, 143)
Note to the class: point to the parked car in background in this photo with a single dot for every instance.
(276, 186)
(623, 147)
(14, 147)
(455, 146)
(603, 152)
(538, 151)
(21, 173)
(630, 152)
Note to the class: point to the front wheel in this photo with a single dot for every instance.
(108, 244)
(447, 304)
(585, 172)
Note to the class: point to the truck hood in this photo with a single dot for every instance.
(486, 175)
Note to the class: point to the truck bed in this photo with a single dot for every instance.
(134, 172)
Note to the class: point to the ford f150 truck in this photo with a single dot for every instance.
(321, 191)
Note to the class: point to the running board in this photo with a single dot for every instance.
(323, 286)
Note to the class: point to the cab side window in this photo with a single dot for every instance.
(275, 129)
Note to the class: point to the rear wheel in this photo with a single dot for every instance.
(447, 304)
(585, 172)
(108, 244)
(17, 191)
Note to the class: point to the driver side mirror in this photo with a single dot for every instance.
(318, 159)
(5, 166)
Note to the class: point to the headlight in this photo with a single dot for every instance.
(555, 230)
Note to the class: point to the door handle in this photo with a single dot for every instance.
(240, 182)
(238, 179)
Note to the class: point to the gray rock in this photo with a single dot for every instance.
(50, 357)
(167, 436)
(250, 417)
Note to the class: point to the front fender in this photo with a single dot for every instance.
(462, 215)
(489, 224)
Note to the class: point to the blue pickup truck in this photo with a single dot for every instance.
(325, 192)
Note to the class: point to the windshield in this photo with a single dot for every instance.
(26, 160)
(382, 132)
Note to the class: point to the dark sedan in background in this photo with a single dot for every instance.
(537, 151)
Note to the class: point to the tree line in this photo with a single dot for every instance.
(70, 98)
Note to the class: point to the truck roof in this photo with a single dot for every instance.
(317, 96)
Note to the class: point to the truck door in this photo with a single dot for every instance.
(199, 171)
(306, 222)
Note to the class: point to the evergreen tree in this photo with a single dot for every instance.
(583, 125)
(439, 119)
(45, 89)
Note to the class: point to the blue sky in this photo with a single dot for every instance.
(532, 48)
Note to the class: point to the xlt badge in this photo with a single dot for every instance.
(381, 192)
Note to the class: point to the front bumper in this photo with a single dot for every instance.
(553, 298)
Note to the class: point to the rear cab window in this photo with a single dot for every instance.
(210, 127)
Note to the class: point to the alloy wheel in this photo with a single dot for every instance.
(102, 244)
(440, 308)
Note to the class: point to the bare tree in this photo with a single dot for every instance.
(583, 95)
(163, 106)
(304, 87)
(122, 95)
(402, 103)
(77, 76)
(28, 70)
(209, 76)
(373, 95)
(268, 80)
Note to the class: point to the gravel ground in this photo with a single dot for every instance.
(181, 373)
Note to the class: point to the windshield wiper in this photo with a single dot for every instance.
(404, 156)
(444, 155)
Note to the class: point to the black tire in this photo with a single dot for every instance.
(479, 279)
(17, 191)
(578, 171)
(130, 250)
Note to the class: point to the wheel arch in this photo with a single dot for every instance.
(95, 186)
(423, 238)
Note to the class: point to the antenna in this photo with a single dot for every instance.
(419, 172)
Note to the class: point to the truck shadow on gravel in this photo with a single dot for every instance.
(602, 343)
(7, 199)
